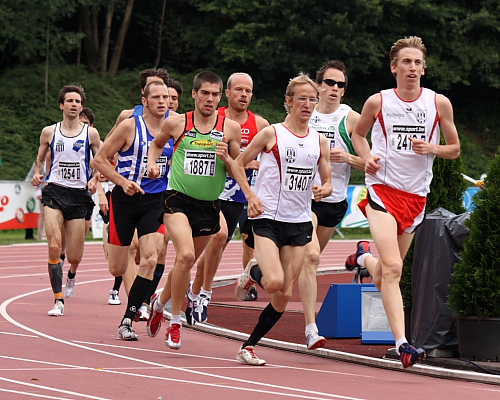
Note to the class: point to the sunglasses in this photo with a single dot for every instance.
(331, 82)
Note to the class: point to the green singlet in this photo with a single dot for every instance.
(196, 170)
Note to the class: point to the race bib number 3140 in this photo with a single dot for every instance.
(297, 179)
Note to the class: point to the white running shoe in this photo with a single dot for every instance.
(144, 312)
(57, 310)
(70, 287)
(245, 282)
(125, 331)
(246, 355)
(114, 299)
(315, 341)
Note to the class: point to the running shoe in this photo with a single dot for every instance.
(125, 331)
(245, 282)
(70, 287)
(155, 318)
(246, 355)
(57, 310)
(189, 309)
(252, 294)
(352, 261)
(361, 273)
(409, 355)
(173, 337)
(144, 311)
(114, 300)
(315, 341)
(200, 310)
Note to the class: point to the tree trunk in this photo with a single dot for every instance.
(47, 54)
(117, 52)
(88, 40)
(160, 34)
(104, 50)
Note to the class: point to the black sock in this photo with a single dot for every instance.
(63, 256)
(267, 320)
(118, 282)
(256, 274)
(136, 295)
(61, 300)
(154, 283)
(71, 275)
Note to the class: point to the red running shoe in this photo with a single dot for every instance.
(352, 261)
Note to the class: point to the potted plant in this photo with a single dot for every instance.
(475, 286)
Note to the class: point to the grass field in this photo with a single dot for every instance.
(18, 236)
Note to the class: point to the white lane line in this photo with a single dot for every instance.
(18, 334)
(136, 375)
(3, 312)
(50, 389)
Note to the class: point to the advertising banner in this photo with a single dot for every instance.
(19, 207)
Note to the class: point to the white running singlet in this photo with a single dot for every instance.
(334, 127)
(70, 165)
(286, 174)
(399, 120)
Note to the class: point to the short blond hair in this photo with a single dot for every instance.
(300, 79)
(412, 41)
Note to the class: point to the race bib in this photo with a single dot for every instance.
(69, 171)
(330, 135)
(400, 138)
(161, 162)
(199, 162)
(297, 179)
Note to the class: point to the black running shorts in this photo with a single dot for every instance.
(127, 213)
(203, 216)
(232, 212)
(329, 214)
(284, 233)
(73, 203)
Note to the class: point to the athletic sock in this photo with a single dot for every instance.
(399, 342)
(56, 277)
(136, 295)
(311, 328)
(175, 319)
(154, 283)
(158, 305)
(192, 296)
(63, 257)
(361, 259)
(71, 275)
(256, 274)
(267, 320)
(118, 283)
(206, 293)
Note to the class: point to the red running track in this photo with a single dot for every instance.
(77, 356)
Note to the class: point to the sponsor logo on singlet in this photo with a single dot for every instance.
(78, 145)
(291, 154)
(393, 115)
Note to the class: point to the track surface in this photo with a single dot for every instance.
(77, 356)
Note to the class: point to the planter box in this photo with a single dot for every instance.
(478, 339)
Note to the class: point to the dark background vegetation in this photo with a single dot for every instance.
(103, 45)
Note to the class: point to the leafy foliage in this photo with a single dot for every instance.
(475, 286)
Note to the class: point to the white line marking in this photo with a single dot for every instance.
(18, 334)
(3, 312)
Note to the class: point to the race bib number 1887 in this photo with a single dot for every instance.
(199, 162)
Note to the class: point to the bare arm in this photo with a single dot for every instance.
(325, 173)
(264, 140)
(125, 114)
(261, 124)
(95, 144)
(122, 139)
(338, 155)
(451, 149)
(365, 122)
(229, 149)
(45, 139)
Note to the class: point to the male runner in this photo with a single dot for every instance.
(136, 199)
(65, 196)
(239, 94)
(175, 92)
(405, 140)
(291, 155)
(204, 145)
(336, 121)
